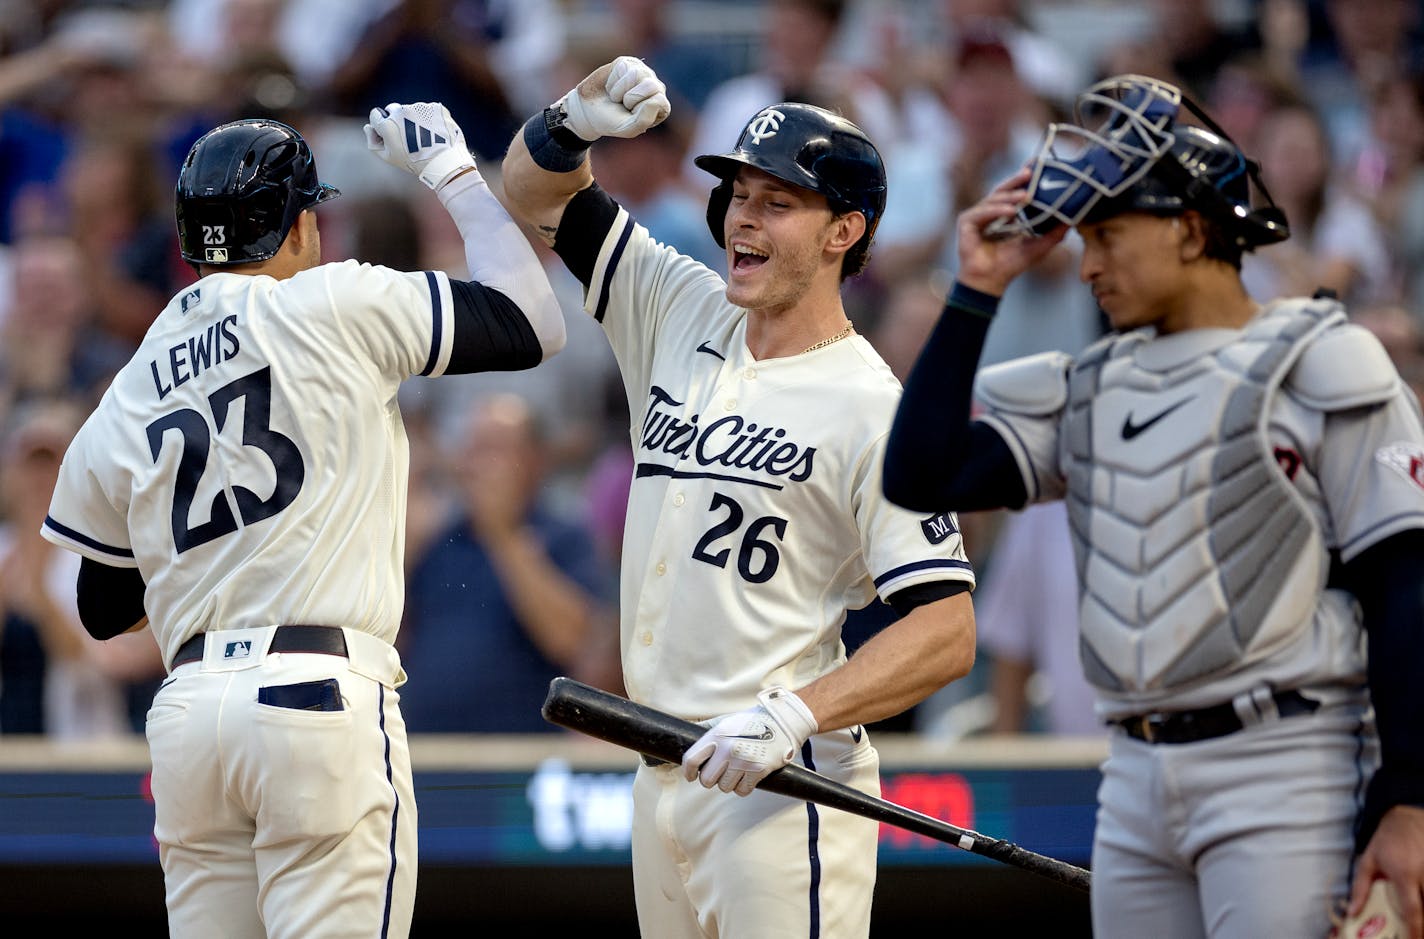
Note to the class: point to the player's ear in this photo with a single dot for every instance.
(1190, 228)
(846, 230)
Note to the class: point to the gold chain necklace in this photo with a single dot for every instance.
(849, 328)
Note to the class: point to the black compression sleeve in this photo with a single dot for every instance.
(936, 457)
(1388, 580)
(583, 229)
(110, 598)
(491, 333)
(920, 594)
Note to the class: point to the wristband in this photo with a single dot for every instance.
(552, 145)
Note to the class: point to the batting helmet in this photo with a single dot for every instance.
(812, 148)
(240, 190)
(1135, 157)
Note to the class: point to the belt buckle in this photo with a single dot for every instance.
(1146, 725)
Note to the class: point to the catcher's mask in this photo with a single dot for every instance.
(812, 148)
(1127, 153)
(241, 188)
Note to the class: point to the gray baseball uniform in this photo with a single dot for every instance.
(1210, 476)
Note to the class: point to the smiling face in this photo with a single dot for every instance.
(780, 238)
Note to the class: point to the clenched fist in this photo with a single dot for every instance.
(620, 99)
(422, 139)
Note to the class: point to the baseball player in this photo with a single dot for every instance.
(242, 487)
(755, 516)
(1245, 488)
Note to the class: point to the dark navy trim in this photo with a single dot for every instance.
(813, 850)
(612, 266)
(937, 564)
(653, 469)
(395, 817)
(86, 541)
(437, 327)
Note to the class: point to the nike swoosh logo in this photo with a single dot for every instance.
(857, 732)
(764, 735)
(1048, 185)
(1130, 430)
(710, 351)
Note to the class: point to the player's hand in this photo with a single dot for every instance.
(1396, 854)
(741, 749)
(422, 139)
(989, 263)
(620, 99)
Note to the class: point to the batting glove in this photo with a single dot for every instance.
(624, 103)
(422, 139)
(742, 749)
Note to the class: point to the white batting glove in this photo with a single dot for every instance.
(624, 103)
(742, 749)
(422, 139)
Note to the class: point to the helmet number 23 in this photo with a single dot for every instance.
(255, 390)
(754, 547)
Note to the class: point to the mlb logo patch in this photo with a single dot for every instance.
(190, 299)
(939, 527)
(240, 649)
(1406, 459)
(216, 255)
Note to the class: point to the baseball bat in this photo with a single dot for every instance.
(616, 719)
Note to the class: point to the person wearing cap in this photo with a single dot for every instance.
(1245, 491)
(755, 519)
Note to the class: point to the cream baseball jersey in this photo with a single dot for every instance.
(755, 517)
(218, 459)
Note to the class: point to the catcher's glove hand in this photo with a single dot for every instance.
(1379, 918)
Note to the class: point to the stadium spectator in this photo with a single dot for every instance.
(509, 596)
(1335, 242)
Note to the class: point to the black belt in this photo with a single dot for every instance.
(327, 640)
(1215, 721)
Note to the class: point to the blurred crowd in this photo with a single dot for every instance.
(519, 480)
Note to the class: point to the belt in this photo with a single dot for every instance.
(327, 640)
(1215, 721)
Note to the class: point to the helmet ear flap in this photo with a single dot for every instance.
(717, 211)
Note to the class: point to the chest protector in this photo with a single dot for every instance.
(1197, 555)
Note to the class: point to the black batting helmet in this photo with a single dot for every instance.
(240, 190)
(812, 148)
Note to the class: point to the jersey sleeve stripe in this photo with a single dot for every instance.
(1020, 451)
(66, 534)
(624, 226)
(919, 567)
(441, 310)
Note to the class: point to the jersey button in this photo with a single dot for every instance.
(647, 638)
(661, 568)
(731, 405)
(678, 499)
(749, 374)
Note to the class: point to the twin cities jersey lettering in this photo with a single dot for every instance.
(755, 516)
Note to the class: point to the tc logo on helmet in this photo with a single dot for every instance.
(765, 124)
